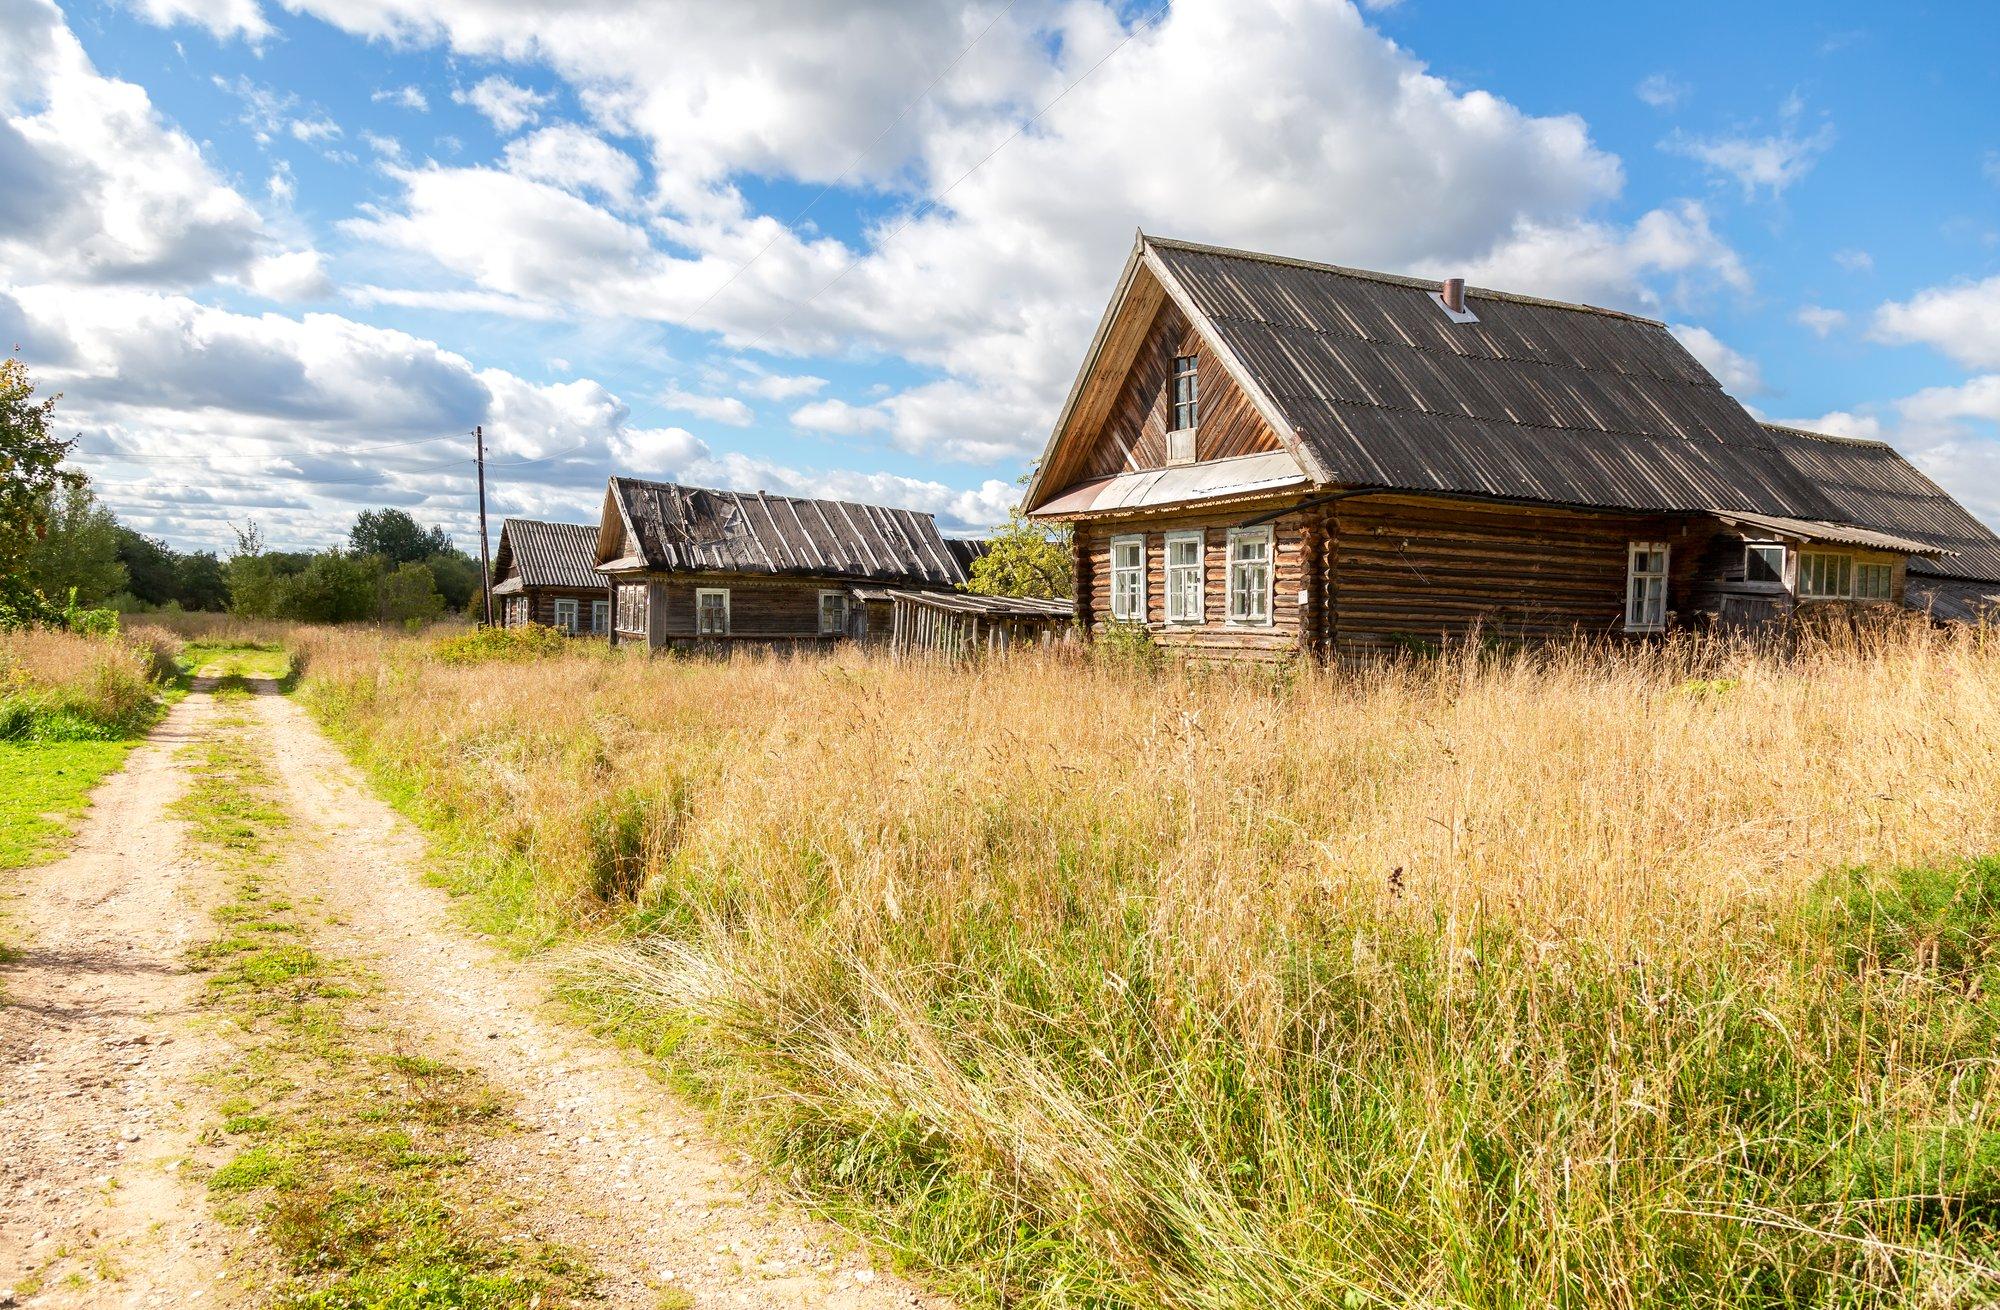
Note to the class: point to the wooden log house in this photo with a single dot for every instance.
(543, 573)
(1266, 457)
(699, 567)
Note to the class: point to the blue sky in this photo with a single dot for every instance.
(280, 257)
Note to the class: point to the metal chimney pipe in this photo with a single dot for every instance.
(1453, 294)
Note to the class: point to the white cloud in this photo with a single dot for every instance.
(454, 302)
(1600, 263)
(1962, 321)
(508, 105)
(1838, 423)
(1771, 162)
(294, 275)
(1820, 320)
(1737, 372)
(1662, 90)
(567, 156)
(839, 417)
(779, 386)
(93, 184)
(1854, 260)
(716, 409)
(270, 113)
(1933, 407)
(406, 97)
(223, 18)
(1989, 167)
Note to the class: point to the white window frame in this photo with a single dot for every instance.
(514, 612)
(846, 610)
(1646, 589)
(633, 613)
(703, 593)
(1888, 580)
(1809, 568)
(1136, 611)
(567, 604)
(1191, 374)
(600, 617)
(1176, 611)
(1750, 548)
(1241, 596)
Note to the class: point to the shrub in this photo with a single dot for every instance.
(481, 645)
(67, 686)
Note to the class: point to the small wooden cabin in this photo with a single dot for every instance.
(542, 573)
(693, 566)
(1266, 457)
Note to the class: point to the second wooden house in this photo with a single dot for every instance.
(542, 573)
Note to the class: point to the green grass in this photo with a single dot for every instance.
(237, 661)
(44, 787)
(348, 1153)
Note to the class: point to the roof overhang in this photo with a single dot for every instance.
(1840, 534)
(1180, 484)
(510, 586)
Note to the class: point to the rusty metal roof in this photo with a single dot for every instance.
(1538, 400)
(546, 555)
(1217, 479)
(697, 529)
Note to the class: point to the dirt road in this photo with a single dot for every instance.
(610, 1164)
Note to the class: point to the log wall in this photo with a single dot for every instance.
(542, 604)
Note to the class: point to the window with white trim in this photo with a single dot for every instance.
(1186, 410)
(1249, 575)
(1646, 586)
(1186, 563)
(566, 614)
(711, 611)
(635, 607)
(600, 616)
(1128, 579)
(1764, 561)
(1824, 575)
(514, 613)
(1873, 581)
(832, 613)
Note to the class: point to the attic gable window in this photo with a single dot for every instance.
(1186, 411)
(1646, 586)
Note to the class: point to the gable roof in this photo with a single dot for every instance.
(668, 527)
(1368, 383)
(548, 554)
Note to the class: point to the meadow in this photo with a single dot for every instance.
(1582, 977)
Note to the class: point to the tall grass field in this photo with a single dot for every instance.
(1656, 977)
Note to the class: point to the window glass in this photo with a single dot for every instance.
(600, 615)
(1128, 579)
(1184, 577)
(1185, 408)
(1825, 576)
(1250, 575)
(1764, 562)
(711, 612)
(832, 613)
(1646, 587)
(1872, 581)
(634, 607)
(566, 614)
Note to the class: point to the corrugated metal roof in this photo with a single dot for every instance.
(697, 529)
(1953, 599)
(1181, 483)
(1842, 534)
(548, 554)
(1538, 400)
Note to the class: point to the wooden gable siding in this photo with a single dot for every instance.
(1404, 568)
(1214, 636)
(1134, 433)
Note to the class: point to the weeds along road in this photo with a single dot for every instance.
(275, 1039)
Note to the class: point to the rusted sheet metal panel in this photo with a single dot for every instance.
(696, 529)
(542, 554)
(1244, 475)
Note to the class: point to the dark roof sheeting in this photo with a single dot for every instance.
(696, 529)
(549, 554)
(1538, 401)
(1954, 600)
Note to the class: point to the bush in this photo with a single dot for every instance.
(69, 686)
(482, 645)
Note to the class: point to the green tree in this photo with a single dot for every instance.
(409, 596)
(199, 583)
(30, 472)
(78, 551)
(252, 575)
(150, 573)
(457, 575)
(334, 587)
(395, 537)
(1023, 559)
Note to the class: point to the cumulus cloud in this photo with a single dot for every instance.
(509, 106)
(1819, 320)
(405, 97)
(294, 275)
(569, 157)
(1769, 162)
(94, 185)
(1962, 321)
(1737, 372)
(223, 19)
(717, 409)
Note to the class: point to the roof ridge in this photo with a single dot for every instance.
(774, 495)
(1875, 442)
(1394, 279)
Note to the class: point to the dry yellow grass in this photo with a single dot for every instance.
(1488, 980)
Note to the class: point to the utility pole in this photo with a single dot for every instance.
(485, 565)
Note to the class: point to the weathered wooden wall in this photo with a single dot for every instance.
(1134, 434)
(542, 604)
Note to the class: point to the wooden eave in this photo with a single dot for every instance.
(609, 556)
